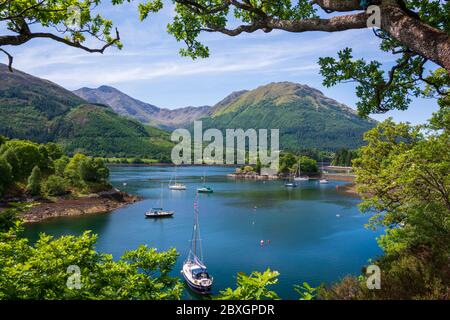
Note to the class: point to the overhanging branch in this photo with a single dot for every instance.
(10, 59)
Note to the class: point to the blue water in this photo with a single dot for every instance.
(316, 233)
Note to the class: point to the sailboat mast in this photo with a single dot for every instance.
(162, 184)
(196, 244)
(175, 174)
(299, 168)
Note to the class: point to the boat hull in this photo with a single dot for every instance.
(204, 191)
(177, 187)
(162, 215)
(197, 288)
(290, 185)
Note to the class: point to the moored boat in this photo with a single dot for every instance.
(290, 185)
(194, 269)
(299, 174)
(175, 185)
(159, 212)
(205, 189)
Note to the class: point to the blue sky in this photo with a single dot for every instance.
(150, 69)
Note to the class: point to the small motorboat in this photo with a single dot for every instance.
(205, 189)
(194, 269)
(158, 213)
(323, 181)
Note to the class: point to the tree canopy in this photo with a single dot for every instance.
(415, 31)
(71, 22)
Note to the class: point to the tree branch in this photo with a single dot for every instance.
(23, 38)
(339, 5)
(10, 59)
(20, 14)
(339, 23)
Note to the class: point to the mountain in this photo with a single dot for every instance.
(144, 112)
(305, 116)
(39, 110)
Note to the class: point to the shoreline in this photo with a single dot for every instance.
(162, 164)
(102, 202)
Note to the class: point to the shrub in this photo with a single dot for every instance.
(34, 182)
(5, 174)
(55, 186)
(60, 165)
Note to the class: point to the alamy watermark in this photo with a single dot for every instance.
(238, 147)
(374, 20)
(74, 280)
(73, 21)
(374, 277)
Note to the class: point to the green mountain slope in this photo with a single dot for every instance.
(36, 109)
(306, 118)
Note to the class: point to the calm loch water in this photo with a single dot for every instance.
(316, 233)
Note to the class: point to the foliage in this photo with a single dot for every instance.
(403, 177)
(60, 165)
(306, 292)
(93, 170)
(305, 118)
(69, 22)
(87, 174)
(11, 157)
(3, 139)
(289, 163)
(252, 287)
(344, 157)
(28, 155)
(6, 174)
(55, 186)
(379, 87)
(307, 165)
(46, 270)
(34, 182)
(46, 113)
(60, 174)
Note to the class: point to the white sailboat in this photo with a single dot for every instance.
(194, 269)
(290, 183)
(323, 180)
(175, 185)
(159, 212)
(299, 177)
